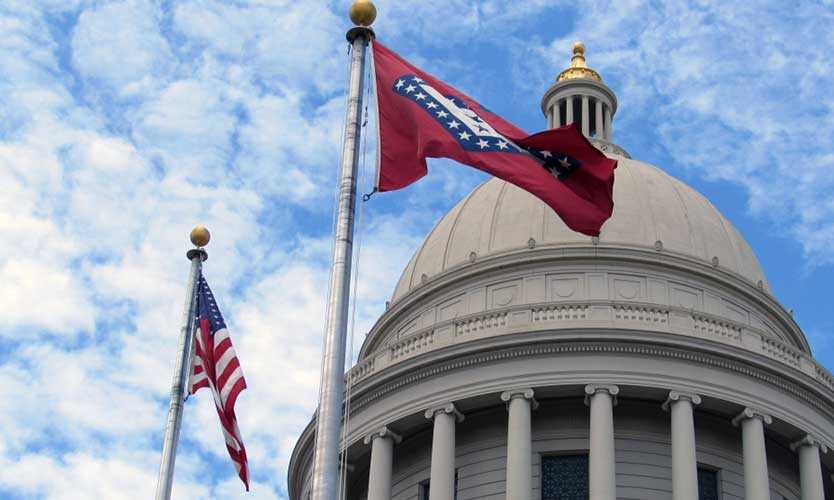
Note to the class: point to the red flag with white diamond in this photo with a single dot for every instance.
(422, 117)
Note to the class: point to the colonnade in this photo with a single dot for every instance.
(602, 115)
(601, 400)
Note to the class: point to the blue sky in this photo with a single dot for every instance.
(124, 123)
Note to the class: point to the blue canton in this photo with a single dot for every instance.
(207, 307)
(558, 164)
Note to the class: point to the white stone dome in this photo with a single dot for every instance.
(653, 212)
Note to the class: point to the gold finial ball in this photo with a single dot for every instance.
(200, 236)
(578, 48)
(362, 12)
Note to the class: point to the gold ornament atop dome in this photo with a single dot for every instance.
(200, 236)
(362, 13)
(578, 67)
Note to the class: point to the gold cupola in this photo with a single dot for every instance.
(578, 67)
(580, 96)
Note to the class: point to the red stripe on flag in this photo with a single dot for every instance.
(204, 370)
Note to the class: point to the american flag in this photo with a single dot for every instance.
(216, 366)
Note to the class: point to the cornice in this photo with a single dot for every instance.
(447, 360)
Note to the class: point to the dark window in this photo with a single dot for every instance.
(425, 486)
(565, 477)
(707, 484)
(424, 490)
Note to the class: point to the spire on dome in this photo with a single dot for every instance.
(579, 96)
(578, 67)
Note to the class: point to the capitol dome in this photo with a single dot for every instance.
(519, 360)
(653, 212)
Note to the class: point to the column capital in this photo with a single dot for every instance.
(748, 413)
(444, 408)
(809, 440)
(680, 396)
(592, 389)
(524, 392)
(382, 432)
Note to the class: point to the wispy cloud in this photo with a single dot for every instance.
(124, 123)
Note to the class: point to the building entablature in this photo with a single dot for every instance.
(587, 288)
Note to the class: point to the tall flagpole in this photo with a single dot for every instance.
(331, 390)
(200, 238)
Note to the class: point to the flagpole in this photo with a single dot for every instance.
(200, 238)
(331, 390)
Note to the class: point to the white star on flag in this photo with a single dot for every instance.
(399, 84)
(454, 124)
(442, 114)
(410, 88)
(431, 105)
(464, 135)
(420, 96)
(546, 154)
(483, 144)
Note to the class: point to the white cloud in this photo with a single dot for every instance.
(290, 44)
(62, 303)
(189, 125)
(119, 45)
(120, 475)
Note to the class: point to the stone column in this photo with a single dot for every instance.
(557, 117)
(520, 404)
(586, 117)
(568, 110)
(382, 462)
(442, 472)
(608, 130)
(810, 470)
(600, 134)
(601, 469)
(756, 478)
(684, 460)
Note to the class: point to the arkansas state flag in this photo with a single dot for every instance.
(421, 117)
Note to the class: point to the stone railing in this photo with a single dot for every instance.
(478, 323)
(715, 328)
(361, 370)
(782, 352)
(412, 344)
(559, 312)
(646, 314)
(602, 314)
